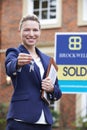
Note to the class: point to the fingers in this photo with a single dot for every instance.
(47, 85)
(24, 59)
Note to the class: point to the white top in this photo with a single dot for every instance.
(39, 64)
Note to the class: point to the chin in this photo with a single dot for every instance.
(28, 45)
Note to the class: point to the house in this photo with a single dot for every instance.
(55, 16)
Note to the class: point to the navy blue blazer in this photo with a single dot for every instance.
(26, 103)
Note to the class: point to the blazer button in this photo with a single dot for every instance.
(14, 73)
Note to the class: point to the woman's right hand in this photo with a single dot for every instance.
(23, 59)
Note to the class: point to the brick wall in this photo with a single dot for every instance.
(0, 38)
(68, 109)
(10, 14)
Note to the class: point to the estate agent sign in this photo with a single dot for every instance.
(71, 58)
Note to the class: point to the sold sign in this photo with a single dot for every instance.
(71, 58)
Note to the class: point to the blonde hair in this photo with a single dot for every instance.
(31, 17)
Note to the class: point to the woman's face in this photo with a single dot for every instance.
(30, 33)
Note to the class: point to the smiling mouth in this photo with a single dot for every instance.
(30, 40)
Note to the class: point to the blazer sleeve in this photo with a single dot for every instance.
(11, 61)
(56, 94)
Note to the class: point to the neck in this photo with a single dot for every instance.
(32, 51)
(34, 55)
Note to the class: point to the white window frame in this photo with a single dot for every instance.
(52, 23)
(82, 12)
(81, 108)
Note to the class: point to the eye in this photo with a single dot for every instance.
(35, 30)
(26, 29)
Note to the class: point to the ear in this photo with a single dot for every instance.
(18, 30)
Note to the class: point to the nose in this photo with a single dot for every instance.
(31, 33)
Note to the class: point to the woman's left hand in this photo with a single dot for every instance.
(47, 85)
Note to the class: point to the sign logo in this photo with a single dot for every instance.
(75, 43)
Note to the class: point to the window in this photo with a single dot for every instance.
(45, 9)
(82, 12)
(48, 11)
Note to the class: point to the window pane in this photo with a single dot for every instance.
(44, 14)
(36, 4)
(45, 4)
(53, 13)
(53, 3)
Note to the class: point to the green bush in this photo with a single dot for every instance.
(56, 117)
(3, 112)
(82, 121)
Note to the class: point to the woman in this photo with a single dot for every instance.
(27, 66)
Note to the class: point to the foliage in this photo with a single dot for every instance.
(56, 117)
(3, 112)
(82, 121)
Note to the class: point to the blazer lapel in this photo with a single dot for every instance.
(45, 61)
(23, 49)
(45, 65)
(37, 71)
